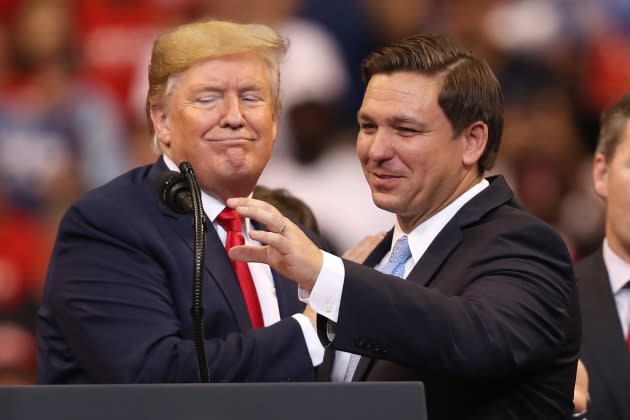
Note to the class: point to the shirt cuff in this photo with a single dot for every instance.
(326, 294)
(314, 346)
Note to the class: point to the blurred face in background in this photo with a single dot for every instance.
(219, 115)
(612, 183)
(43, 34)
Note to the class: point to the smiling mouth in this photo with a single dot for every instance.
(385, 176)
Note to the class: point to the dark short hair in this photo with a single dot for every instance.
(288, 204)
(470, 91)
(612, 126)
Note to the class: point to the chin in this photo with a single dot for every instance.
(384, 203)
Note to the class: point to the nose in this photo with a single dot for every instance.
(380, 146)
(231, 115)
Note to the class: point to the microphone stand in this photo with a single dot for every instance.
(199, 250)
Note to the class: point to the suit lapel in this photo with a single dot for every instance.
(219, 267)
(496, 194)
(436, 254)
(606, 337)
(286, 295)
(217, 262)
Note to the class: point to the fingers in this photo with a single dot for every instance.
(260, 211)
(285, 248)
(274, 239)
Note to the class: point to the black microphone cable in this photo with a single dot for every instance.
(181, 193)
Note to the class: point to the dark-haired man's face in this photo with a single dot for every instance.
(221, 118)
(406, 145)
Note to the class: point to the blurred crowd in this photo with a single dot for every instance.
(72, 112)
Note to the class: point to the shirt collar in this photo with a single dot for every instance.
(618, 269)
(421, 237)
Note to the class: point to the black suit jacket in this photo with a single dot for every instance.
(487, 319)
(116, 305)
(604, 350)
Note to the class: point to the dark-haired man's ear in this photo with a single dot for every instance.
(475, 138)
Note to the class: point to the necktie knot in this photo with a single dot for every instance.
(400, 254)
(401, 251)
(230, 220)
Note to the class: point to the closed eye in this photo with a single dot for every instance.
(251, 98)
(205, 100)
(367, 127)
(407, 131)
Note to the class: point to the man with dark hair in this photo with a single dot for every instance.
(604, 276)
(487, 314)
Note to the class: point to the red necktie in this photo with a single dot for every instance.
(230, 220)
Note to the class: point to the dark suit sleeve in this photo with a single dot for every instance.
(500, 303)
(114, 313)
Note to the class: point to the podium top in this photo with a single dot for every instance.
(277, 401)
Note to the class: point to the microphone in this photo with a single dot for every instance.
(174, 191)
(181, 193)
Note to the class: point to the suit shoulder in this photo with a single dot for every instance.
(126, 196)
(592, 262)
(122, 191)
(513, 222)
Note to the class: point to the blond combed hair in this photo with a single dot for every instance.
(188, 44)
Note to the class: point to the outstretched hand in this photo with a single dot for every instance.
(285, 248)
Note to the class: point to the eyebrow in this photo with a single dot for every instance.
(395, 120)
(210, 87)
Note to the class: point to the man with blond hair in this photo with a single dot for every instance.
(116, 306)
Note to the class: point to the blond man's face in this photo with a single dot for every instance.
(220, 116)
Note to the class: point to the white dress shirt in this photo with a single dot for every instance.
(325, 297)
(261, 275)
(619, 275)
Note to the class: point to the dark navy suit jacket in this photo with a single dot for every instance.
(116, 305)
(604, 350)
(488, 318)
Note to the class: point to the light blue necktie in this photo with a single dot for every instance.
(400, 255)
(395, 266)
